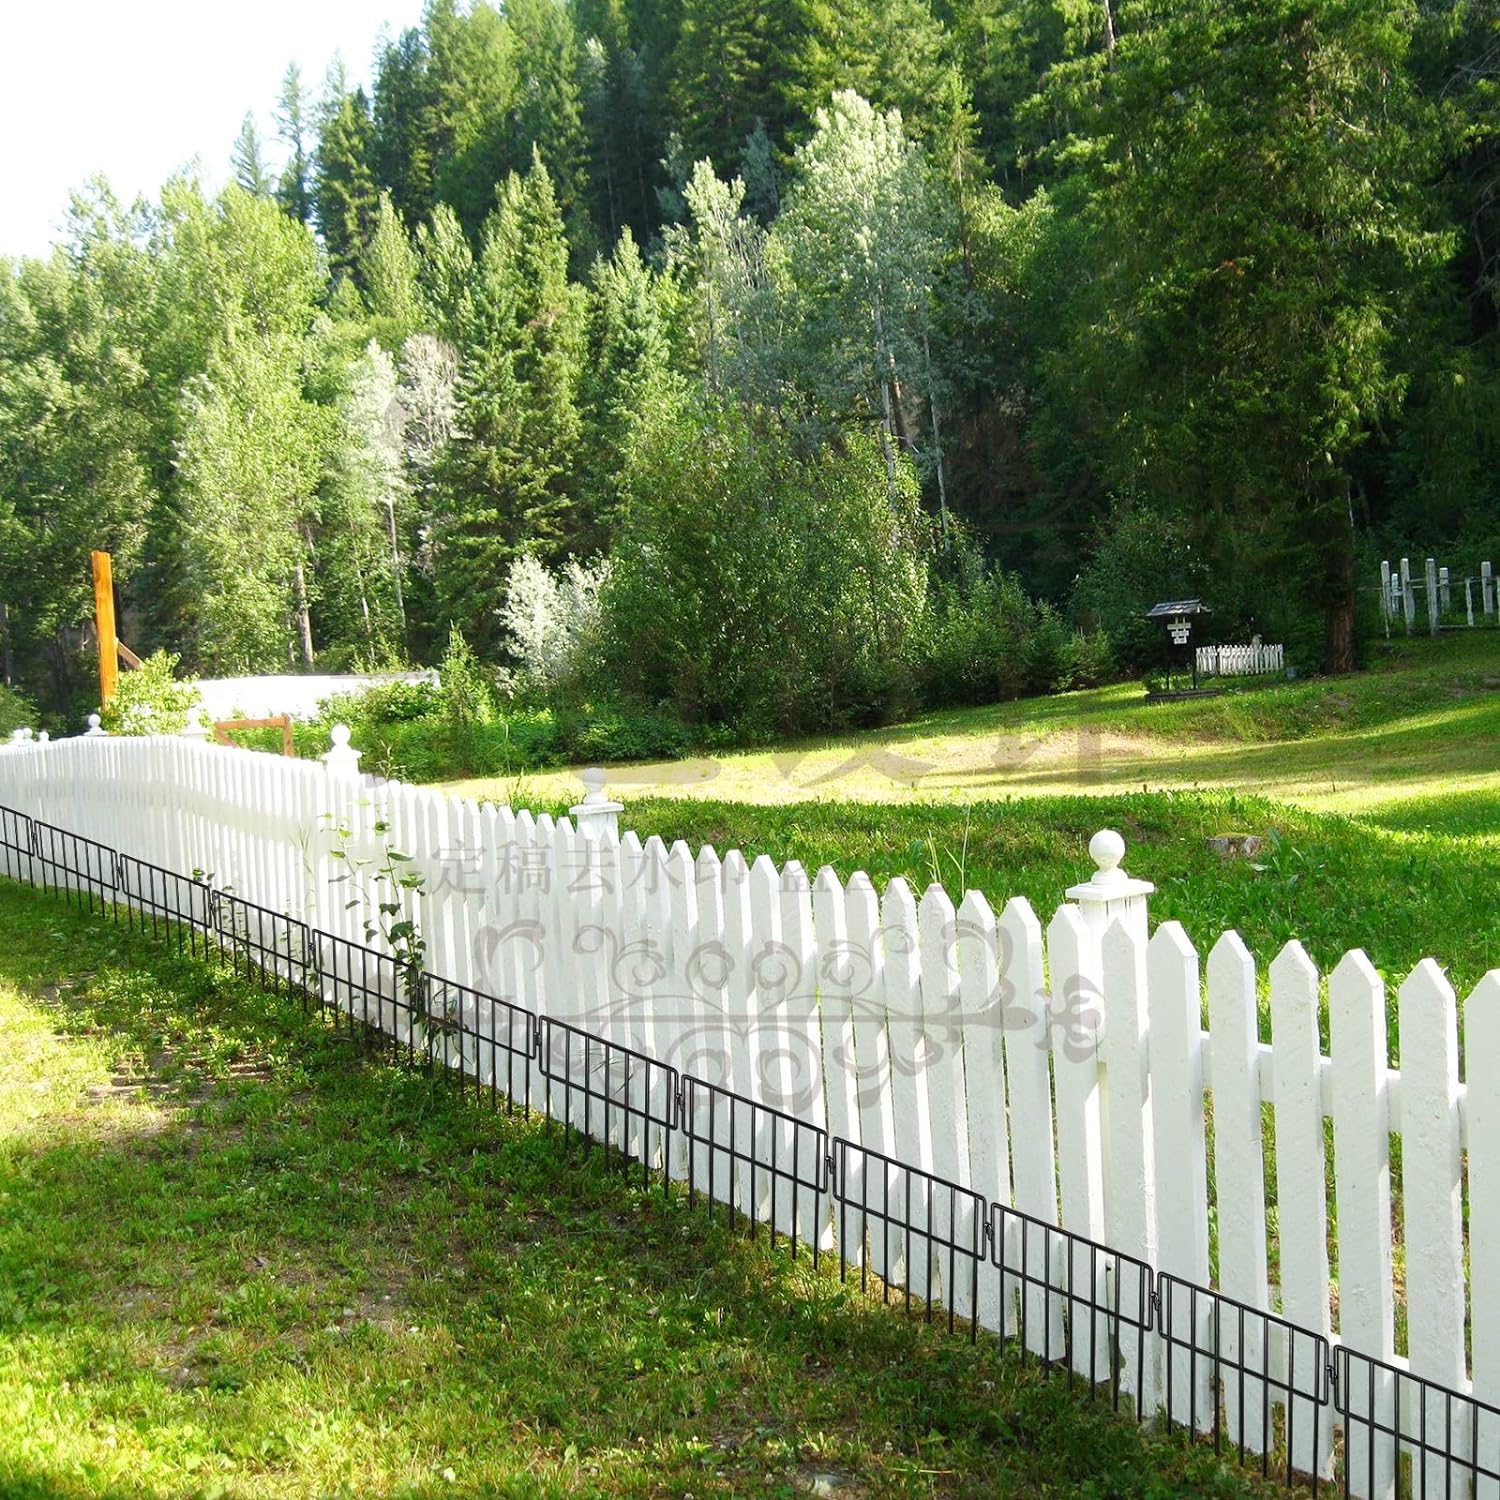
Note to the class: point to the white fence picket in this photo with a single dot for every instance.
(1301, 1191)
(909, 1113)
(1176, 1067)
(947, 1103)
(1362, 1188)
(877, 1128)
(1130, 1172)
(1432, 1198)
(1239, 1173)
(983, 1009)
(840, 968)
(1481, 1047)
(1076, 1019)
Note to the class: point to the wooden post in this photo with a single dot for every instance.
(104, 625)
(1408, 600)
(1432, 596)
(1487, 588)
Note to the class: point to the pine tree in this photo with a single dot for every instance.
(629, 377)
(505, 481)
(294, 191)
(444, 270)
(345, 198)
(388, 270)
(246, 163)
(405, 124)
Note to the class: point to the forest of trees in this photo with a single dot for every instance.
(854, 334)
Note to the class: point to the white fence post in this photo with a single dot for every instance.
(1487, 588)
(1432, 596)
(1408, 596)
(596, 812)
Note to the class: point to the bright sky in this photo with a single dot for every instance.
(136, 91)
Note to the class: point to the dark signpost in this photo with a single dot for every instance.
(1179, 614)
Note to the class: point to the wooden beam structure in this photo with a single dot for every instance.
(104, 625)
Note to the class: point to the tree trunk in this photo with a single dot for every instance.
(1341, 643)
(7, 665)
(390, 514)
(304, 617)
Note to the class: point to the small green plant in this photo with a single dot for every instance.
(150, 700)
(465, 697)
(385, 887)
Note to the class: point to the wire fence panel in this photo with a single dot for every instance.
(609, 1094)
(913, 1219)
(73, 866)
(173, 907)
(261, 943)
(1438, 1441)
(1094, 1304)
(1263, 1374)
(754, 1160)
(16, 844)
(490, 1042)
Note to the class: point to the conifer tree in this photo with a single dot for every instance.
(294, 191)
(246, 162)
(506, 480)
(345, 198)
(389, 272)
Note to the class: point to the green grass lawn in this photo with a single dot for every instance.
(241, 1258)
(1423, 722)
(1382, 791)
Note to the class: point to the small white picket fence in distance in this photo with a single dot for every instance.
(1253, 660)
(1065, 1071)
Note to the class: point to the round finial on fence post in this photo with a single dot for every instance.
(1111, 895)
(43, 737)
(342, 759)
(94, 726)
(596, 812)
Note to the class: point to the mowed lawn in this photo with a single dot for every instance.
(1422, 722)
(241, 1258)
(1378, 796)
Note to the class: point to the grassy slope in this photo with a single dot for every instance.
(1421, 723)
(239, 1259)
(1385, 789)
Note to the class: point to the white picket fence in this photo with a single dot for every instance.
(1240, 661)
(1065, 1071)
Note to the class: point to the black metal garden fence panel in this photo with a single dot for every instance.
(764, 1164)
(79, 869)
(917, 1233)
(174, 907)
(1245, 1375)
(1078, 1305)
(1260, 1387)
(1414, 1435)
(16, 843)
(609, 1094)
(491, 1043)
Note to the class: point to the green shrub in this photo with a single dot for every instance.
(758, 589)
(17, 711)
(465, 701)
(150, 700)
